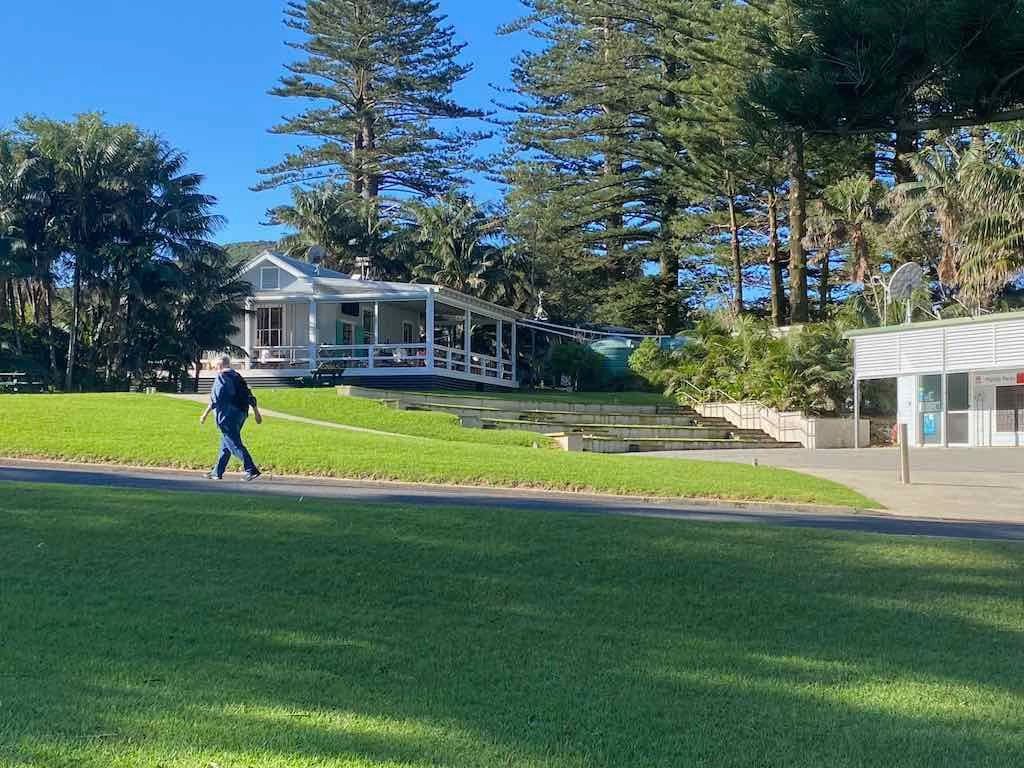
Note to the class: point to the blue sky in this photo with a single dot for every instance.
(197, 72)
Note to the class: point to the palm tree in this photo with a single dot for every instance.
(326, 217)
(460, 251)
(165, 216)
(210, 297)
(970, 195)
(16, 187)
(992, 252)
(845, 218)
(935, 202)
(93, 162)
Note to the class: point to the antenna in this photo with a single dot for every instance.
(902, 285)
(540, 313)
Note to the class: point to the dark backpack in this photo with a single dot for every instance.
(243, 395)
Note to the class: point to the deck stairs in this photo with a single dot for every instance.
(603, 428)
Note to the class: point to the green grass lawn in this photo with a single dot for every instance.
(153, 430)
(184, 631)
(326, 405)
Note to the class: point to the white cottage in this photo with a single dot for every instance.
(304, 320)
(959, 382)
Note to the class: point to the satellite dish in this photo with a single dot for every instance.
(317, 254)
(902, 285)
(905, 281)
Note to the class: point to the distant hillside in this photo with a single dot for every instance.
(246, 250)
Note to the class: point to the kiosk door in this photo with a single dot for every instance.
(1010, 413)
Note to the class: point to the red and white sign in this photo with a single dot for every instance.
(999, 379)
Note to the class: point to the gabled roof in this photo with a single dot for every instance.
(296, 267)
(319, 278)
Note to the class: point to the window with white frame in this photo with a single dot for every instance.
(347, 337)
(408, 332)
(269, 326)
(270, 278)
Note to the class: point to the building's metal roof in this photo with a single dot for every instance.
(321, 280)
(949, 322)
(304, 267)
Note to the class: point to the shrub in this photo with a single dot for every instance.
(807, 369)
(579, 363)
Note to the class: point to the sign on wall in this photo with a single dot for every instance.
(999, 379)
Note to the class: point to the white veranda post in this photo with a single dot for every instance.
(250, 345)
(467, 338)
(856, 411)
(512, 352)
(429, 330)
(312, 335)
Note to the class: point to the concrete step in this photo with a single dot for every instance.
(443, 400)
(626, 431)
(595, 444)
(599, 428)
(255, 382)
(565, 418)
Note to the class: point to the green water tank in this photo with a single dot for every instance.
(615, 352)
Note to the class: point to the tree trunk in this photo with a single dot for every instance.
(617, 268)
(49, 331)
(904, 146)
(76, 300)
(371, 190)
(668, 315)
(824, 288)
(615, 253)
(357, 160)
(737, 258)
(799, 309)
(37, 304)
(199, 363)
(21, 294)
(778, 291)
(978, 136)
(15, 325)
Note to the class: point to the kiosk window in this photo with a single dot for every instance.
(1009, 409)
(958, 392)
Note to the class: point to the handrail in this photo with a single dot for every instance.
(368, 346)
(766, 418)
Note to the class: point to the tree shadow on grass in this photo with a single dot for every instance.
(149, 629)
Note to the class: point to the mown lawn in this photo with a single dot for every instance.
(153, 430)
(184, 631)
(325, 405)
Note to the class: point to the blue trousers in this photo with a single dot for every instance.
(231, 445)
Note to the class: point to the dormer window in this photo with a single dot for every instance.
(270, 279)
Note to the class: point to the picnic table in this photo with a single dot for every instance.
(19, 382)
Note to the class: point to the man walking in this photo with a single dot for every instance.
(231, 398)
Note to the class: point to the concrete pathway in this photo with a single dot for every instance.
(948, 483)
(204, 399)
(512, 500)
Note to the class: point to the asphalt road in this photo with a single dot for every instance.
(512, 500)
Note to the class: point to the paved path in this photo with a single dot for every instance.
(303, 420)
(948, 483)
(514, 500)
